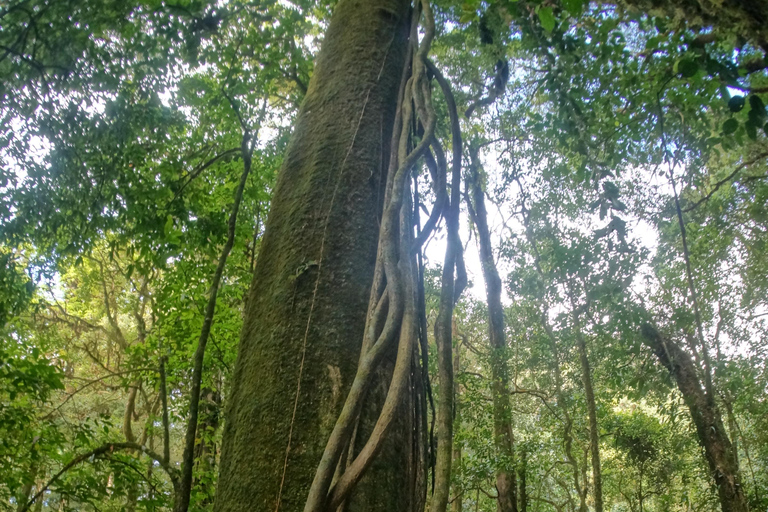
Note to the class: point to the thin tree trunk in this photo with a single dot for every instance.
(718, 449)
(568, 426)
(307, 305)
(594, 433)
(188, 456)
(132, 494)
(522, 479)
(22, 498)
(506, 482)
(456, 504)
(422, 385)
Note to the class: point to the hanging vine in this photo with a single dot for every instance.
(393, 313)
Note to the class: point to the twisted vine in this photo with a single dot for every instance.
(393, 313)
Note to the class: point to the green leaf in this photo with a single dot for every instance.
(687, 67)
(756, 111)
(611, 190)
(736, 103)
(168, 225)
(547, 18)
(751, 130)
(756, 103)
(573, 7)
(730, 126)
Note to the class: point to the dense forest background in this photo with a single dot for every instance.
(592, 175)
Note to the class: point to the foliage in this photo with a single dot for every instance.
(624, 154)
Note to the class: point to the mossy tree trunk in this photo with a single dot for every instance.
(718, 450)
(306, 310)
(205, 447)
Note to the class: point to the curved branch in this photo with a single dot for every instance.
(102, 450)
(724, 181)
(92, 382)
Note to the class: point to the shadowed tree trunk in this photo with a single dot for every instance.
(719, 452)
(22, 498)
(521, 478)
(506, 483)
(306, 310)
(205, 447)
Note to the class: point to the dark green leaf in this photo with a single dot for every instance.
(736, 103)
(730, 126)
(687, 67)
(756, 103)
(751, 130)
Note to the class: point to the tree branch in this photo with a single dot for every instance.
(102, 450)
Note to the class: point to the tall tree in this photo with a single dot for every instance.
(307, 305)
(506, 478)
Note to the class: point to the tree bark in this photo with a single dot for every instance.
(506, 482)
(456, 504)
(306, 310)
(452, 285)
(205, 448)
(718, 450)
(594, 434)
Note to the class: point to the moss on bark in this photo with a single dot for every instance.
(718, 450)
(307, 305)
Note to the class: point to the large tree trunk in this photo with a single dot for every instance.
(718, 450)
(306, 310)
(506, 482)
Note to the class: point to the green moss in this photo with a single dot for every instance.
(358, 71)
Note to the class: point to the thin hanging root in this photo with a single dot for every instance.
(393, 295)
